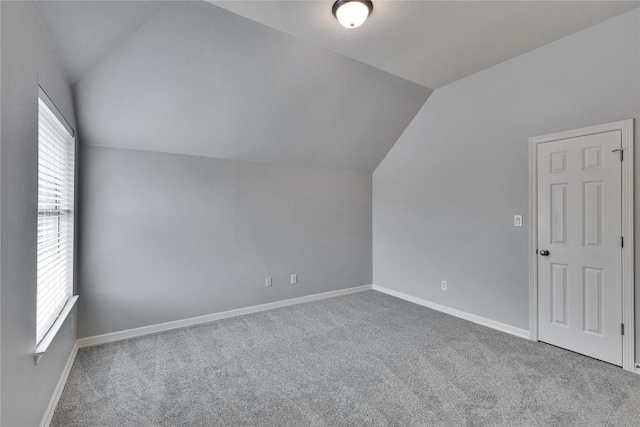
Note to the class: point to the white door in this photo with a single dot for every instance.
(580, 245)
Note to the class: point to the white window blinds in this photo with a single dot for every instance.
(56, 167)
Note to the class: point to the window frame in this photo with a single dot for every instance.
(43, 342)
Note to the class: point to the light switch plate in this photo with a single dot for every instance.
(517, 220)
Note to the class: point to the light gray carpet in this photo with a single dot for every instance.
(365, 359)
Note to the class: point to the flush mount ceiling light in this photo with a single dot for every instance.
(352, 13)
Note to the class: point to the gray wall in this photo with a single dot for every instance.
(26, 60)
(445, 195)
(167, 237)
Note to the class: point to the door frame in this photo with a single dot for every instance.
(626, 128)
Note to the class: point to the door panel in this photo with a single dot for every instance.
(559, 294)
(558, 213)
(593, 300)
(579, 223)
(592, 213)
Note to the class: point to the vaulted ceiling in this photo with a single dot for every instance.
(428, 42)
(85, 32)
(197, 79)
(281, 81)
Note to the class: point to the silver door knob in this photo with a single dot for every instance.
(544, 252)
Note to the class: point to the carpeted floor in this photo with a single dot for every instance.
(365, 359)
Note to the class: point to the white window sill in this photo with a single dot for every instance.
(48, 338)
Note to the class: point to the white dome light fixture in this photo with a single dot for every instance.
(352, 13)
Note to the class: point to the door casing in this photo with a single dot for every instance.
(626, 129)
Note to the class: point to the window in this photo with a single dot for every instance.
(56, 176)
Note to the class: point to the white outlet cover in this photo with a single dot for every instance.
(269, 282)
(517, 220)
(443, 285)
(294, 279)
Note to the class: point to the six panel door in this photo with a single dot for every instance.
(580, 224)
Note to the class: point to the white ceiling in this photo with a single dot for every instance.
(86, 31)
(192, 78)
(433, 43)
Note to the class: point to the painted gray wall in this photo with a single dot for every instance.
(167, 237)
(445, 195)
(199, 80)
(27, 59)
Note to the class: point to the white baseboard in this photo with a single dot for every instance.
(522, 333)
(145, 330)
(48, 415)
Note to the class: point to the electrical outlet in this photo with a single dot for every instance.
(294, 279)
(269, 282)
(443, 285)
(517, 220)
(72, 321)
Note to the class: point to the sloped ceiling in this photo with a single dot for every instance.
(193, 78)
(199, 80)
(86, 31)
(433, 43)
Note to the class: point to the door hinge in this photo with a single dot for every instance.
(621, 151)
(622, 329)
(622, 241)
